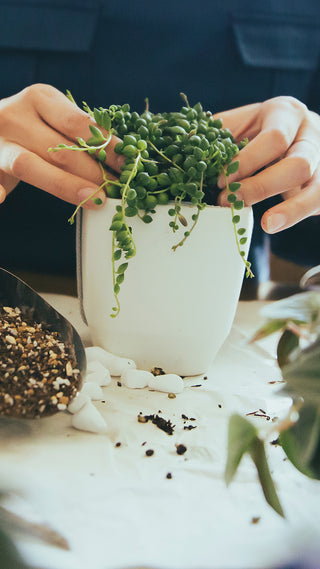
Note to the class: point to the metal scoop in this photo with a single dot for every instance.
(311, 279)
(16, 293)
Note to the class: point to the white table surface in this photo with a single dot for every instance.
(115, 506)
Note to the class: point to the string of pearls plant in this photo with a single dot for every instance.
(170, 158)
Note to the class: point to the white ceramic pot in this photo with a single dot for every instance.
(177, 308)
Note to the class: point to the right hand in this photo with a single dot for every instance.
(35, 119)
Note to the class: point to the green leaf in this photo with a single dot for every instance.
(239, 204)
(301, 442)
(122, 268)
(303, 374)
(258, 455)
(234, 186)
(147, 218)
(116, 225)
(70, 96)
(288, 342)
(106, 121)
(270, 327)
(81, 141)
(241, 435)
(97, 137)
(232, 168)
(243, 439)
(9, 556)
(303, 307)
(97, 115)
(117, 254)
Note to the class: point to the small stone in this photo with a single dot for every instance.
(89, 419)
(115, 364)
(93, 390)
(78, 402)
(149, 452)
(98, 373)
(168, 383)
(136, 378)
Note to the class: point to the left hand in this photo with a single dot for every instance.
(284, 139)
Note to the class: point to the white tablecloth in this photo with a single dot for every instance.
(116, 506)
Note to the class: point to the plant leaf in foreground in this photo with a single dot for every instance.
(243, 439)
(301, 442)
(302, 375)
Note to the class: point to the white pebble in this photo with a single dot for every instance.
(93, 390)
(78, 402)
(89, 419)
(169, 383)
(98, 373)
(136, 378)
(115, 364)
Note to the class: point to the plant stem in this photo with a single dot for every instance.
(116, 312)
(249, 273)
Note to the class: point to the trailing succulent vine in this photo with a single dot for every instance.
(169, 158)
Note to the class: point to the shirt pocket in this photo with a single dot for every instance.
(287, 46)
(26, 30)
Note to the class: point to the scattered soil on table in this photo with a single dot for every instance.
(157, 371)
(160, 422)
(181, 449)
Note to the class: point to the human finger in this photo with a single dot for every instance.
(280, 123)
(303, 204)
(43, 140)
(241, 121)
(3, 194)
(295, 169)
(68, 119)
(31, 168)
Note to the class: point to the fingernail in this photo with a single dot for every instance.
(96, 200)
(275, 222)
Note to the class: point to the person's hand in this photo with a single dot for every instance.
(284, 150)
(32, 121)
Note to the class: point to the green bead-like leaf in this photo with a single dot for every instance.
(116, 225)
(120, 278)
(131, 211)
(122, 268)
(232, 168)
(234, 186)
(147, 218)
(238, 204)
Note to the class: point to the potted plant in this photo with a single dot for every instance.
(296, 320)
(160, 264)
